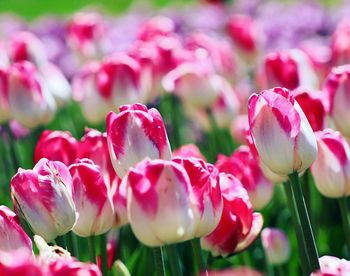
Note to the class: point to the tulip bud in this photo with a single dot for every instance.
(276, 245)
(290, 69)
(336, 85)
(245, 33)
(26, 46)
(239, 128)
(331, 170)
(238, 271)
(94, 104)
(194, 83)
(156, 216)
(281, 133)
(134, 134)
(30, 101)
(238, 226)
(84, 34)
(204, 179)
(4, 101)
(246, 168)
(332, 266)
(340, 43)
(91, 198)
(18, 130)
(314, 105)
(93, 145)
(47, 253)
(43, 196)
(56, 146)
(118, 79)
(187, 151)
(12, 236)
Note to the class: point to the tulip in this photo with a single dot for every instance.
(90, 195)
(276, 245)
(12, 236)
(156, 216)
(246, 168)
(238, 271)
(134, 134)
(73, 268)
(204, 179)
(19, 262)
(56, 146)
(245, 33)
(239, 128)
(314, 105)
(148, 57)
(238, 226)
(336, 85)
(43, 196)
(219, 52)
(194, 83)
(49, 254)
(30, 101)
(290, 69)
(26, 46)
(332, 266)
(340, 43)
(189, 150)
(156, 26)
(18, 130)
(331, 170)
(281, 133)
(94, 104)
(118, 79)
(4, 104)
(93, 145)
(84, 35)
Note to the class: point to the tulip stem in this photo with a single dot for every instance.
(304, 258)
(61, 242)
(174, 260)
(92, 249)
(12, 146)
(72, 244)
(159, 261)
(103, 248)
(305, 223)
(344, 210)
(197, 251)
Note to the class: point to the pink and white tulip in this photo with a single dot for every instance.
(187, 151)
(276, 245)
(337, 86)
(43, 196)
(91, 198)
(281, 133)
(290, 69)
(331, 169)
(12, 236)
(204, 180)
(332, 266)
(340, 43)
(30, 100)
(4, 101)
(246, 168)
(160, 205)
(56, 146)
(134, 134)
(238, 226)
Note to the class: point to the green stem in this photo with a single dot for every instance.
(344, 210)
(197, 252)
(175, 113)
(304, 259)
(72, 244)
(158, 261)
(305, 223)
(92, 249)
(174, 260)
(12, 146)
(103, 248)
(60, 241)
